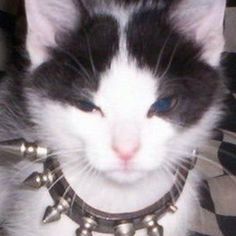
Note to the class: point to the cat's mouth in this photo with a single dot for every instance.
(125, 176)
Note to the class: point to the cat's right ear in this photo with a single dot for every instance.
(202, 21)
(45, 19)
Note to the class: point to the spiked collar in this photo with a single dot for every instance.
(88, 218)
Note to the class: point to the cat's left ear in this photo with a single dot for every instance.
(202, 21)
(46, 19)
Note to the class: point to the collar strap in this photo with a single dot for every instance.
(81, 213)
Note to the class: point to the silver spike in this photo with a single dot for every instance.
(153, 228)
(194, 158)
(38, 180)
(125, 229)
(33, 152)
(11, 149)
(19, 149)
(53, 213)
(87, 226)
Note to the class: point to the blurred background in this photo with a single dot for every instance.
(230, 26)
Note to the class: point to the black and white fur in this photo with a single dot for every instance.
(121, 56)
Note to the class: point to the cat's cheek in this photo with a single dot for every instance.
(157, 136)
(92, 130)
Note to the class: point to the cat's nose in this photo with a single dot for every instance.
(126, 152)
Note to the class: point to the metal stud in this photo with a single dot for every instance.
(173, 208)
(125, 229)
(153, 228)
(19, 149)
(87, 226)
(38, 180)
(33, 152)
(53, 213)
(194, 159)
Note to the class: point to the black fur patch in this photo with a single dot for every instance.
(175, 61)
(127, 2)
(78, 60)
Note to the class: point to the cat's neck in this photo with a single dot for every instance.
(112, 197)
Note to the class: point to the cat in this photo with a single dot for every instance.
(121, 91)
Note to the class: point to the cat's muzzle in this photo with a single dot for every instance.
(89, 219)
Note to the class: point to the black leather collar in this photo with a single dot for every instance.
(105, 222)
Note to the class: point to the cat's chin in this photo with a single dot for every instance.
(125, 177)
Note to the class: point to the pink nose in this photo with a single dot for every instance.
(126, 152)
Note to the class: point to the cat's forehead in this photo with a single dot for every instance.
(126, 90)
(128, 34)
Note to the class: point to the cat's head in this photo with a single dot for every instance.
(124, 87)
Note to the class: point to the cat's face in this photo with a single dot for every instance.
(127, 91)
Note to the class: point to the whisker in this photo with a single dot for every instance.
(51, 155)
(170, 61)
(73, 200)
(217, 165)
(91, 56)
(169, 173)
(180, 185)
(76, 70)
(230, 154)
(161, 53)
(201, 157)
(66, 191)
(62, 175)
(73, 58)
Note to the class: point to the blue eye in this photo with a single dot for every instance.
(161, 106)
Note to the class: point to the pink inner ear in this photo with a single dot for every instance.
(45, 18)
(37, 43)
(203, 21)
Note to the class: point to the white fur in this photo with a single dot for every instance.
(84, 144)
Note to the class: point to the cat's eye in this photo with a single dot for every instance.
(162, 106)
(88, 107)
